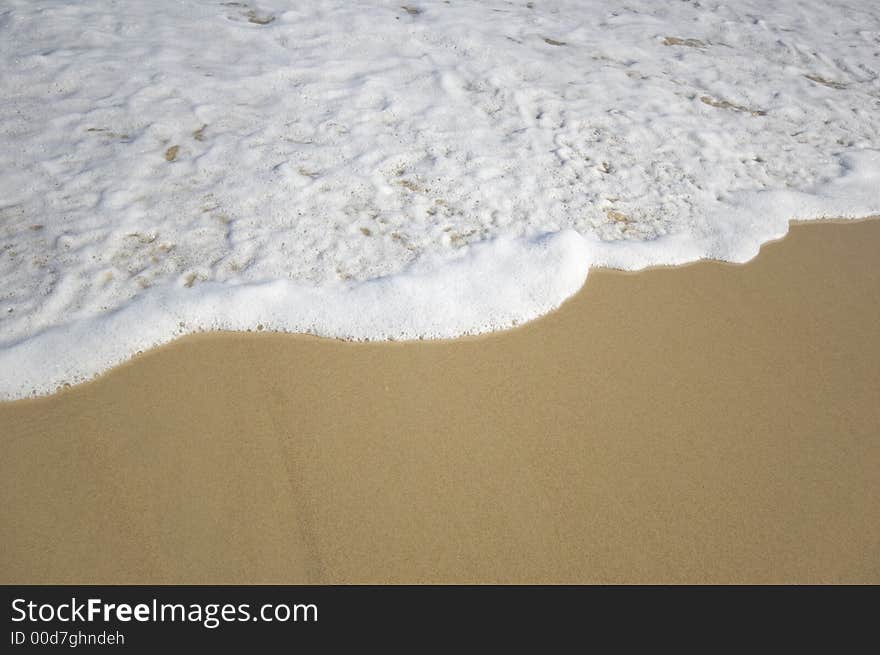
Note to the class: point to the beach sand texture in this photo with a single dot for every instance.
(709, 423)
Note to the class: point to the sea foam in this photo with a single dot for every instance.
(365, 171)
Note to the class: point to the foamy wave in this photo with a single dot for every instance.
(366, 171)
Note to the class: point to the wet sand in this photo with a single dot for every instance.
(710, 423)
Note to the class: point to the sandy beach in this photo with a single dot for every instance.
(712, 423)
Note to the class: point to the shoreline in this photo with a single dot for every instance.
(66, 387)
(708, 422)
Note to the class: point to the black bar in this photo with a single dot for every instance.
(327, 616)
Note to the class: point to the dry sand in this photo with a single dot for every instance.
(711, 423)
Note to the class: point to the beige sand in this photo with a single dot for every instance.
(712, 423)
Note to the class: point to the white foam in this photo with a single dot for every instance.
(355, 170)
(460, 297)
